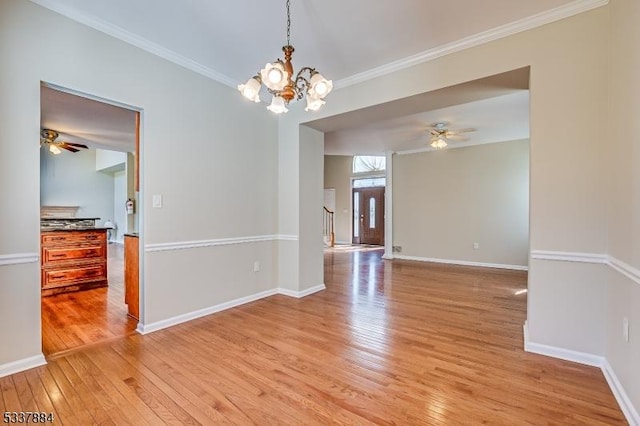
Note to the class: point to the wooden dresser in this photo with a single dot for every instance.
(72, 260)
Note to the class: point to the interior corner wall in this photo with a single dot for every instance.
(445, 201)
(623, 173)
(338, 170)
(568, 62)
(217, 175)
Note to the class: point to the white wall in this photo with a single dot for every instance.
(109, 161)
(119, 200)
(569, 71)
(71, 179)
(623, 201)
(444, 201)
(337, 174)
(218, 175)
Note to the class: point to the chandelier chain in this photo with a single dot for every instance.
(288, 23)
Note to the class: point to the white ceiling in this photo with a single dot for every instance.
(82, 120)
(346, 40)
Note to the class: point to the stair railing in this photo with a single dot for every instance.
(328, 227)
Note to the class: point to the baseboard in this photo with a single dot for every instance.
(21, 365)
(618, 391)
(621, 396)
(462, 262)
(303, 293)
(179, 319)
(561, 353)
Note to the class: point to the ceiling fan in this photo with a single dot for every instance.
(440, 134)
(49, 137)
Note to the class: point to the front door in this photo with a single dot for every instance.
(368, 216)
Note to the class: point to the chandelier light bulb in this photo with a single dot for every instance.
(251, 89)
(54, 149)
(313, 104)
(277, 105)
(274, 76)
(320, 86)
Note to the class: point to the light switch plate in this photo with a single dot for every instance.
(157, 201)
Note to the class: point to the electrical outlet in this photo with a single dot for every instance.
(625, 329)
(476, 246)
(256, 266)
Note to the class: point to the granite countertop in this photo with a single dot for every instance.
(69, 218)
(97, 228)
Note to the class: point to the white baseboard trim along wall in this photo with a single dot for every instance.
(601, 362)
(459, 262)
(630, 412)
(179, 319)
(21, 365)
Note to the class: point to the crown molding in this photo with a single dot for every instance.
(543, 18)
(137, 41)
(570, 9)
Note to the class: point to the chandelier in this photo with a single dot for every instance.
(278, 78)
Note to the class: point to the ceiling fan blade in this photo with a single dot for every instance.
(456, 138)
(66, 146)
(466, 130)
(79, 145)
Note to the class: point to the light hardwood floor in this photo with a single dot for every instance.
(388, 342)
(78, 319)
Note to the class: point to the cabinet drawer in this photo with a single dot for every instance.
(62, 277)
(55, 238)
(58, 254)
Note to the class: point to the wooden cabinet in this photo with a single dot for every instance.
(73, 260)
(131, 280)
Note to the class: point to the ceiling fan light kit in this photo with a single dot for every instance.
(440, 134)
(278, 78)
(49, 137)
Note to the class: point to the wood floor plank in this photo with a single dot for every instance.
(387, 342)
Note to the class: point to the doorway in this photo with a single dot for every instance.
(368, 216)
(99, 177)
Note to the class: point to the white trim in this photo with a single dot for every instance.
(388, 206)
(625, 269)
(22, 365)
(303, 293)
(561, 353)
(135, 40)
(629, 411)
(179, 319)
(14, 259)
(216, 242)
(462, 262)
(621, 396)
(543, 18)
(569, 256)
